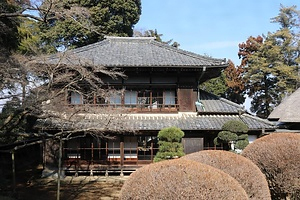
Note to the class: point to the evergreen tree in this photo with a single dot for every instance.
(75, 23)
(8, 27)
(30, 40)
(169, 144)
(271, 65)
(229, 84)
(234, 134)
(158, 37)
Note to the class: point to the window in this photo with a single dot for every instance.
(143, 98)
(130, 98)
(130, 147)
(76, 98)
(115, 99)
(169, 97)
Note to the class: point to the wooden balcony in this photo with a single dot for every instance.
(141, 105)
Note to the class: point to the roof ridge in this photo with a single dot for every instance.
(89, 46)
(232, 103)
(129, 38)
(258, 118)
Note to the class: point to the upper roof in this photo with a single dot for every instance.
(287, 111)
(134, 52)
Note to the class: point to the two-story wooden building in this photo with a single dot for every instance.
(161, 90)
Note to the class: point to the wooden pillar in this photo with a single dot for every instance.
(94, 99)
(13, 170)
(59, 169)
(150, 100)
(151, 151)
(122, 157)
(92, 153)
(122, 153)
(106, 149)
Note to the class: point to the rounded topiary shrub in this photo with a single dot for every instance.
(242, 169)
(169, 144)
(235, 126)
(233, 132)
(278, 157)
(181, 179)
(171, 134)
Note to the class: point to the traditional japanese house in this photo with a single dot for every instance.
(161, 90)
(286, 114)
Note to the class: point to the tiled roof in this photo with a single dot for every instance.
(214, 104)
(288, 111)
(135, 52)
(155, 122)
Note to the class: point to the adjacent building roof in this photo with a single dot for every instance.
(210, 103)
(134, 52)
(288, 111)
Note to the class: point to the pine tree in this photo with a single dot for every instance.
(169, 144)
(271, 63)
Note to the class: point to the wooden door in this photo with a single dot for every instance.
(191, 145)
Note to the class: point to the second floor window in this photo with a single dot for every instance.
(169, 97)
(115, 99)
(130, 98)
(76, 98)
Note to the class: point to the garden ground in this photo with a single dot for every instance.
(72, 188)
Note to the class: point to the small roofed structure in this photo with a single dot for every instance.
(286, 114)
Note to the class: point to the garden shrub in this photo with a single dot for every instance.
(242, 169)
(181, 179)
(278, 157)
(169, 144)
(233, 132)
(235, 127)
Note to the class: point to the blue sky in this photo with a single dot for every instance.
(211, 27)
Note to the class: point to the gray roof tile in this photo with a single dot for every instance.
(133, 52)
(155, 122)
(214, 104)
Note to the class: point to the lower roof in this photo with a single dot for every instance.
(153, 122)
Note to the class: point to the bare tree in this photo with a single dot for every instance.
(47, 107)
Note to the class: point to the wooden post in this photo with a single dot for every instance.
(122, 157)
(152, 151)
(106, 149)
(13, 171)
(122, 153)
(59, 168)
(92, 153)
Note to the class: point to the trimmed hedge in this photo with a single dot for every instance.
(278, 157)
(181, 179)
(242, 169)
